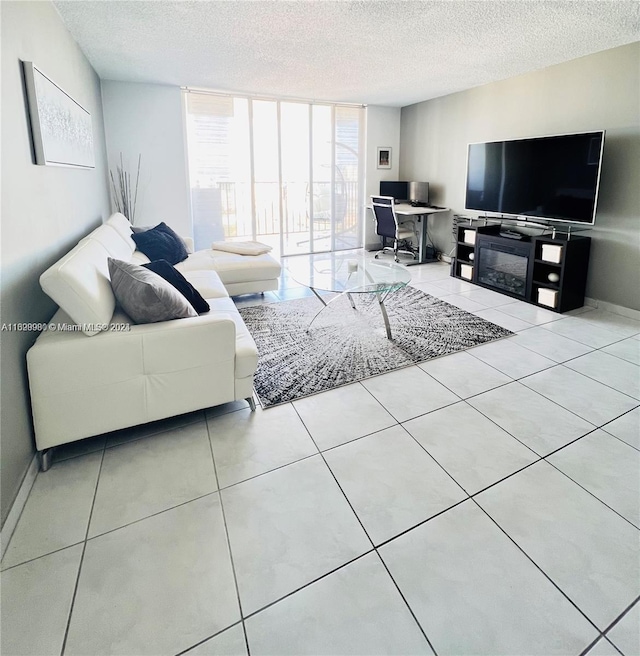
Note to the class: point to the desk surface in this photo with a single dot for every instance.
(409, 210)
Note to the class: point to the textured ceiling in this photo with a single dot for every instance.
(375, 52)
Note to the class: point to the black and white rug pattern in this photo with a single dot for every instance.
(345, 345)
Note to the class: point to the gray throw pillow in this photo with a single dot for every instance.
(145, 296)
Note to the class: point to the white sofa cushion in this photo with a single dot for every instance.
(112, 242)
(207, 283)
(82, 386)
(79, 283)
(246, 350)
(121, 225)
(138, 257)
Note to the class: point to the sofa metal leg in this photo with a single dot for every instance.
(46, 456)
(251, 402)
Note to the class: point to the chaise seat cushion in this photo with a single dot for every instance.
(231, 267)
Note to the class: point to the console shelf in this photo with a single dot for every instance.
(548, 270)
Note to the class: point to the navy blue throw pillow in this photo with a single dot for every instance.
(167, 271)
(161, 243)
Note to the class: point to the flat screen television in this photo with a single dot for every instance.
(554, 178)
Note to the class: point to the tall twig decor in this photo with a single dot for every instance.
(124, 196)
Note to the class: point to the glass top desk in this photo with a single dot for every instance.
(347, 274)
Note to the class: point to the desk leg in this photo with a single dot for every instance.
(422, 240)
(422, 251)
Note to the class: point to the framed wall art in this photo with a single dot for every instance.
(61, 128)
(384, 157)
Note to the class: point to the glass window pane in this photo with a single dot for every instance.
(322, 199)
(266, 173)
(348, 224)
(219, 166)
(286, 173)
(294, 130)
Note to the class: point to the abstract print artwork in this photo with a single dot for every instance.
(61, 128)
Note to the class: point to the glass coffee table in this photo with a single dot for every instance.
(348, 274)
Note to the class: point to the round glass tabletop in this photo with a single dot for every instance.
(346, 272)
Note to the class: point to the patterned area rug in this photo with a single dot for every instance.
(346, 345)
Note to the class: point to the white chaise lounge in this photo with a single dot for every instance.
(92, 378)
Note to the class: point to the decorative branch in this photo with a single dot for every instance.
(125, 197)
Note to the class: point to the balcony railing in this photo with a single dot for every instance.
(226, 209)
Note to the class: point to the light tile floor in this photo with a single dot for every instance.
(483, 503)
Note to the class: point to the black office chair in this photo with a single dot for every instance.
(388, 228)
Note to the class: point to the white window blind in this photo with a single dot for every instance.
(286, 173)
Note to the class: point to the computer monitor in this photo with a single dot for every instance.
(399, 191)
(419, 193)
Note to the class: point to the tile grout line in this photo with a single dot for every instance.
(546, 398)
(591, 493)
(374, 548)
(44, 555)
(515, 437)
(226, 531)
(334, 478)
(538, 567)
(366, 532)
(616, 419)
(214, 635)
(573, 412)
(620, 617)
(466, 400)
(355, 514)
(395, 583)
(398, 421)
(253, 613)
(591, 348)
(513, 379)
(591, 324)
(615, 389)
(84, 549)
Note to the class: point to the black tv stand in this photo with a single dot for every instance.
(548, 270)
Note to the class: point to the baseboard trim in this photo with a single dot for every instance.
(613, 308)
(11, 522)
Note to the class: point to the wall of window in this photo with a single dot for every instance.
(285, 173)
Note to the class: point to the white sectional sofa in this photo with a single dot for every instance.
(92, 371)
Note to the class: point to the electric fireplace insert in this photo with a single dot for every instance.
(504, 264)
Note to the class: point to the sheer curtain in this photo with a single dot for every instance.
(286, 173)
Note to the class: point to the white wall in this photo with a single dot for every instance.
(383, 129)
(45, 209)
(601, 91)
(146, 119)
